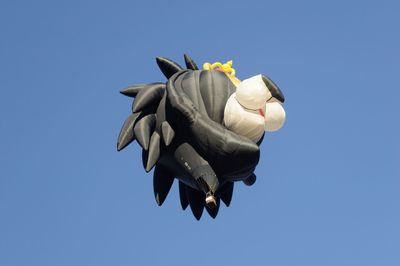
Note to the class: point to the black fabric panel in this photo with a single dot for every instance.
(215, 89)
(189, 85)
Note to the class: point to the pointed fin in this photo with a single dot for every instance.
(226, 192)
(182, 195)
(162, 182)
(190, 64)
(196, 201)
(143, 130)
(149, 96)
(214, 211)
(154, 151)
(133, 90)
(168, 67)
(168, 133)
(126, 135)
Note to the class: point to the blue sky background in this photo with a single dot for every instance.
(328, 183)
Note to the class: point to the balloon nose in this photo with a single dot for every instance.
(274, 89)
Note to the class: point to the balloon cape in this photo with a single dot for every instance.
(181, 126)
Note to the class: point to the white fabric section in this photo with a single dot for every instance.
(274, 116)
(243, 121)
(252, 93)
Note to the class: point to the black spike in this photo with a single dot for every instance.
(250, 180)
(196, 201)
(226, 192)
(132, 91)
(150, 96)
(213, 212)
(154, 151)
(190, 64)
(168, 67)
(182, 195)
(167, 133)
(143, 130)
(126, 135)
(162, 182)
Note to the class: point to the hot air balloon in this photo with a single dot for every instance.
(203, 128)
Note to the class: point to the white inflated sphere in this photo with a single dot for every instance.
(252, 93)
(274, 116)
(243, 121)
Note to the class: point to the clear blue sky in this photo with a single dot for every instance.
(328, 183)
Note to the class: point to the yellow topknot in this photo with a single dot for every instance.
(226, 68)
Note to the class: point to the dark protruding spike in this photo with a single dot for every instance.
(190, 64)
(126, 135)
(143, 130)
(149, 96)
(274, 89)
(214, 211)
(226, 192)
(162, 182)
(182, 195)
(250, 180)
(168, 133)
(132, 91)
(154, 151)
(196, 201)
(168, 67)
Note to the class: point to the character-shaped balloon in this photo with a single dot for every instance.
(203, 128)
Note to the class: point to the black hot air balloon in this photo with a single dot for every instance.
(180, 127)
